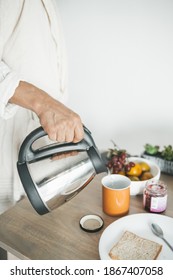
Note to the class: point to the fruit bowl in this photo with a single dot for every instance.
(137, 187)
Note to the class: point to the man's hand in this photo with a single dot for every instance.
(59, 122)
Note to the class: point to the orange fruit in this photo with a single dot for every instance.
(135, 170)
(145, 166)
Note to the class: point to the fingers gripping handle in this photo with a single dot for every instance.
(27, 153)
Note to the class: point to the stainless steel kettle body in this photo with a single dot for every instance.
(53, 174)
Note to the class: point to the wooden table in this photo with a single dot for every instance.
(57, 235)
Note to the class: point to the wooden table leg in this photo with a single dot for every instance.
(3, 254)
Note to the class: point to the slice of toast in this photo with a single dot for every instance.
(133, 247)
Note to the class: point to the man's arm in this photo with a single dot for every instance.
(59, 122)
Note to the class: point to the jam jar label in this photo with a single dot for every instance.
(158, 204)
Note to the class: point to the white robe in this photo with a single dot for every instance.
(32, 50)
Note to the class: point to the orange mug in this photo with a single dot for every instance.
(116, 194)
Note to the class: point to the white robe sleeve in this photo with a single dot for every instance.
(9, 81)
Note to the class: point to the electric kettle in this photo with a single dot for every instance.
(54, 173)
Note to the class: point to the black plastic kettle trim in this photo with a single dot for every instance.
(31, 190)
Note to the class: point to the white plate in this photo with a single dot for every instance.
(140, 225)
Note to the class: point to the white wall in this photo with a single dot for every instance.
(120, 55)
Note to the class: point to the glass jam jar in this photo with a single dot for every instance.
(155, 196)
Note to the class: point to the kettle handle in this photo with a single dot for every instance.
(28, 154)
